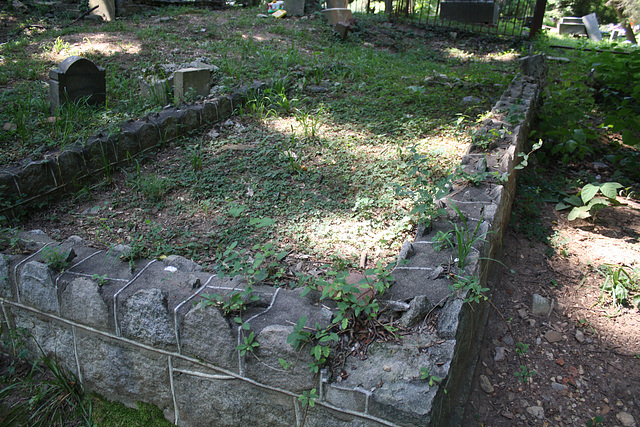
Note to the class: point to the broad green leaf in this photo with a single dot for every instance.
(579, 136)
(581, 212)
(588, 191)
(597, 201)
(610, 189)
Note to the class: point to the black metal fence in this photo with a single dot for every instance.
(505, 17)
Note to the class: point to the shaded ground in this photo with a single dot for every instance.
(585, 354)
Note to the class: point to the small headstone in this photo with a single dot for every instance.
(106, 9)
(593, 29)
(196, 80)
(77, 79)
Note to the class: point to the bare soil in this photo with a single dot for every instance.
(585, 352)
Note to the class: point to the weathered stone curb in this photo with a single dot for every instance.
(138, 334)
(79, 165)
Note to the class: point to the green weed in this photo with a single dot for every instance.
(425, 374)
(621, 285)
(586, 204)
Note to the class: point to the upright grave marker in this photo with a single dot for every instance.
(77, 80)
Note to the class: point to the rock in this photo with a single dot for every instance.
(9, 127)
(508, 340)
(215, 343)
(146, 317)
(37, 288)
(553, 336)
(419, 307)
(540, 304)
(317, 89)
(486, 385)
(536, 411)
(523, 313)
(471, 100)
(274, 346)
(579, 336)
(626, 419)
(81, 302)
(558, 387)
(181, 263)
(599, 165)
(501, 354)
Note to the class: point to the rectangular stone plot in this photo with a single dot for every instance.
(122, 372)
(202, 398)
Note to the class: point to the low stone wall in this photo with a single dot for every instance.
(136, 332)
(63, 172)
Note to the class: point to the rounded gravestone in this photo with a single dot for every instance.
(77, 80)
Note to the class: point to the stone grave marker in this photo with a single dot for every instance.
(106, 9)
(593, 29)
(77, 79)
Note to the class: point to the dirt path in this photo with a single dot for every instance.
(586, 356)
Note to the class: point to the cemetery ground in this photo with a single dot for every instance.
(320, 174)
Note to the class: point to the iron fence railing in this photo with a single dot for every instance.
(504, 17)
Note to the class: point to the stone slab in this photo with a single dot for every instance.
(191, 80)
(106, 9)
(591, 25)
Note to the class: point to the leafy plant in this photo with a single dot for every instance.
(471, 285)
(586, 204)
(595, 421)
(320, 351)
(56, 258)
(521, 348)
(353, 300)
(262, 266)
(100, 279)
(614, 84)
(234, 304)
(525, 374)
(308, 398)
(620, 285)
(248, 344)
(426, 189)
(462, 238)
(425, 374)
(524, 162)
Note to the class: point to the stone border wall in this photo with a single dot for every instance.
(79, 165)
(135, 332)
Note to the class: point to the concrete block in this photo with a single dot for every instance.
(195, 80)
